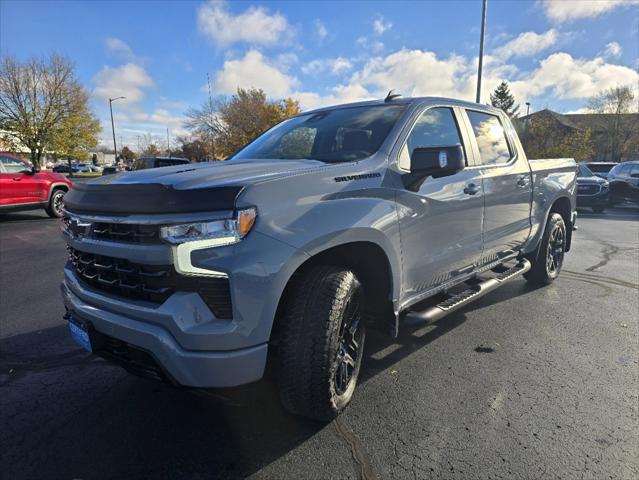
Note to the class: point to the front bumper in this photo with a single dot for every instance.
(598, 200)
(193, 368)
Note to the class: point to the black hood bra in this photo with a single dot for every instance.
(148, 198)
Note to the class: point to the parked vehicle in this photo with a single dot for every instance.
(601, 169)
(64, 168)
(156, 162)
(83, 167)
(22, 188)
(110, 170)
(592, 191)
(367, 215)
(624, 183)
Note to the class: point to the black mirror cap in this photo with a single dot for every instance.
(438, 161)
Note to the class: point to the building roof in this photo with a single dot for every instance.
(582, 120)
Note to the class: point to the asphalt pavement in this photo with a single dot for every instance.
(525, 383)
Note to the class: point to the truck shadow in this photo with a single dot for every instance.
(75, 416)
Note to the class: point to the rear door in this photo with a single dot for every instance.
(440, 219)
(507, 185)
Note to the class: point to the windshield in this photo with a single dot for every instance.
(585, 171)
(339, 135)
(599, 168)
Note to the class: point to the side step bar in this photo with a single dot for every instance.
(457, 301)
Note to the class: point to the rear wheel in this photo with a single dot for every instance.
(550, 256)
(321, 343)
(54, 208)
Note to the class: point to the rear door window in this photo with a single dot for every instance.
(491, 138)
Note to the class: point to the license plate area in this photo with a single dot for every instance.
(80, 332)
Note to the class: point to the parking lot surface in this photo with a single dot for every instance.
(525, 383)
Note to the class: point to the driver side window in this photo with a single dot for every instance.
(12, 165)
(435, 127)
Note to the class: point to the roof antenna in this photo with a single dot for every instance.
(392, 95)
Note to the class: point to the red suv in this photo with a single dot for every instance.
(22, 188)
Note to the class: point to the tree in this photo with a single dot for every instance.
(75, 135)
(39, 99)
(151, 150)
(127, 154)
(503, 99)
(231, 123)
(619, 129)
(196, 149)
(542, 137)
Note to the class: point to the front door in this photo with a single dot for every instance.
(18, 187)
(440, 219)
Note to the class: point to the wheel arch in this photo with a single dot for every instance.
(373, 268)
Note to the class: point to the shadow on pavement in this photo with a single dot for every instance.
(73, 415)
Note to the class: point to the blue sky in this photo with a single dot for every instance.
(555, 54)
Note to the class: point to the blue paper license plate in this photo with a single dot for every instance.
(80, 334)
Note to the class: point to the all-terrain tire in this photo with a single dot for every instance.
(315, 378)
(54, 208)
(547, 262)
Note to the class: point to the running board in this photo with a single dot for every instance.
(459, 300)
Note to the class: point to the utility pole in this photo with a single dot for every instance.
(115, 147)
(168, 142)
(481, 50)
(527, 108)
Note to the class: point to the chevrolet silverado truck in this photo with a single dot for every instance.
(370, 215)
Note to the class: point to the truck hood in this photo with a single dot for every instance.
(179, 189)
(212, 174)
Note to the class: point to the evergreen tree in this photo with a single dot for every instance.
(503, 99)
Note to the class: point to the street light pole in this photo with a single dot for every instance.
(481, 50)
(115, 147)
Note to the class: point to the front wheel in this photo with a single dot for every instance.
(321, 342)
(550, 256)
(54, 208)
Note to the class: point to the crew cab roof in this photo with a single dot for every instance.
(410, 101)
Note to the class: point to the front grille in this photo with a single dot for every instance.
(116, 232)
(133, 359)
(125, 232)
(151, 283)
(588, 189)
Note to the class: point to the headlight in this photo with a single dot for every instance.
(218, 232)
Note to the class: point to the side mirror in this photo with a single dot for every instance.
(437, 161)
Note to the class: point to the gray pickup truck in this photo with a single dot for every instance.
(368, 215)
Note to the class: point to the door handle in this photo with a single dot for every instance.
(17, 179)
(522, 181)
(471, 189)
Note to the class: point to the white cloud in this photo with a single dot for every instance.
(320, 28)
(254, 26)
(527, 43)
(374, 46)
(119, 47)
(566, 11)
(380, 25)
(129, 80)
(333, 65)
(254, 70)
(613, 50)
(566, 77)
